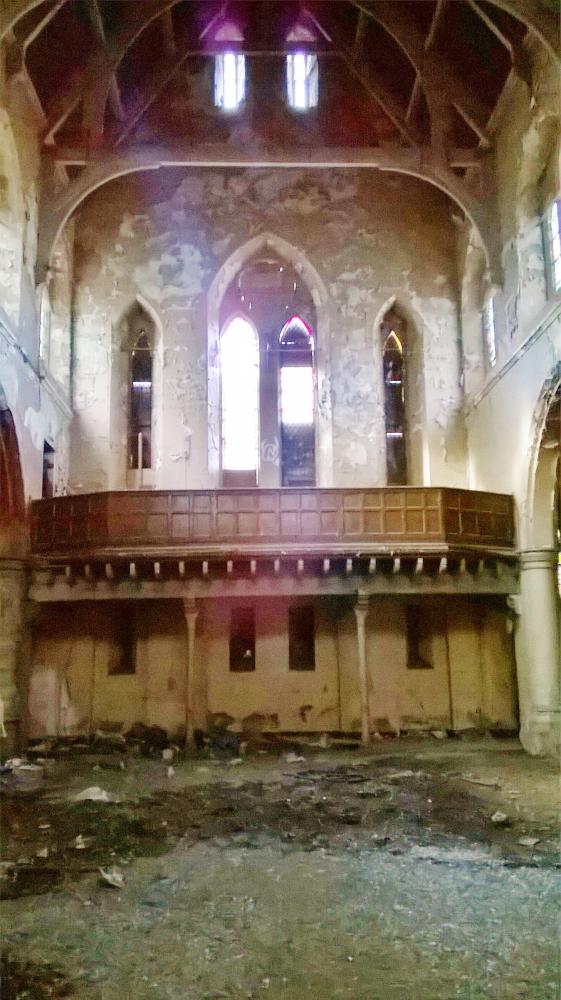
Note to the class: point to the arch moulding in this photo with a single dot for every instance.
(536, 522)
(57, 208)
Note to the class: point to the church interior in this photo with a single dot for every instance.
(280, 477)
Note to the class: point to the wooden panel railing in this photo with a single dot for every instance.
(315, 517)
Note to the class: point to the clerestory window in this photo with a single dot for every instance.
(302, 80)
(229, 80)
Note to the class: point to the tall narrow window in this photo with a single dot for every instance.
(48, 471)
(229, 80)
(554, 244)
(394, 408)
(489, 332)
(242, 640)
(297, 404)
(302, 80)
(124, 634)
(140, 403)
(44, 326)
(301, 638)
(239, 363)
(419, 655)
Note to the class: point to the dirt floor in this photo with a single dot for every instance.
(422, 868)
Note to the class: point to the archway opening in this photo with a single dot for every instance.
(268, 300)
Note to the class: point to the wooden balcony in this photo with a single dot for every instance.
(262, 521)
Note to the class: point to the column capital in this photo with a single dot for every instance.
(362, 605)
(190, 609)
(538, 559)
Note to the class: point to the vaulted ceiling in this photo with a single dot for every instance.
(113, 72)
(410, 85)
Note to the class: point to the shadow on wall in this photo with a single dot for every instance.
(12, 499)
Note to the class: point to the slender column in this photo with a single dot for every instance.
(539, 652)
(361, 611)
(191, 614)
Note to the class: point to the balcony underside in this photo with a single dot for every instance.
(257, 542)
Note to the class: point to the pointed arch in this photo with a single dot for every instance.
(135, 398)
(399, 360)
(223, 279)
(538, 525)
(12, 497)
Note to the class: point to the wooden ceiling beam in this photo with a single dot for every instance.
(416, 89)
(489, 23)
(379, 93)
(115, 92)
(438, 79)
(80, 156)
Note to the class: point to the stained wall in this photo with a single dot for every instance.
(163, 237)
(470, 683)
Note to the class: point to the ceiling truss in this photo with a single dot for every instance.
(96, 85)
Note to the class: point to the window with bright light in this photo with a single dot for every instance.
(554, 233)
(140, 404)
(302, 80)
(489, 332)
(393, 363)
(239, 364)
(297, 396)
(297, 404)
(44, 326)
(229, 80)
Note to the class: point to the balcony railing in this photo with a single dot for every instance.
(315, 519)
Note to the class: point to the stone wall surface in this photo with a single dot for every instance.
(372, 239)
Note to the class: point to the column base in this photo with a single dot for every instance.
(541, 733)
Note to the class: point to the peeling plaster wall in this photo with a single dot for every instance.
(372, 238)
(503, 402)
(38, 406)
(70, 690)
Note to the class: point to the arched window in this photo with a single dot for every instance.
(297, 403)
(239, 367)
(140, 403)
(12, 502)
(394, 406)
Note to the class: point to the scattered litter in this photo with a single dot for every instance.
(94, 794)
(167, 753)
(235, 762)
(403, 774)
(43, 853)
(293, 758)
(528, 841)
(44, 826)
(486, 782)
(500, 818)
(79, 843)
(377, 736)
(170, 772)
(439, 734)
(112, 877)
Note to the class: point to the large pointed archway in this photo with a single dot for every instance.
(268, 243)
